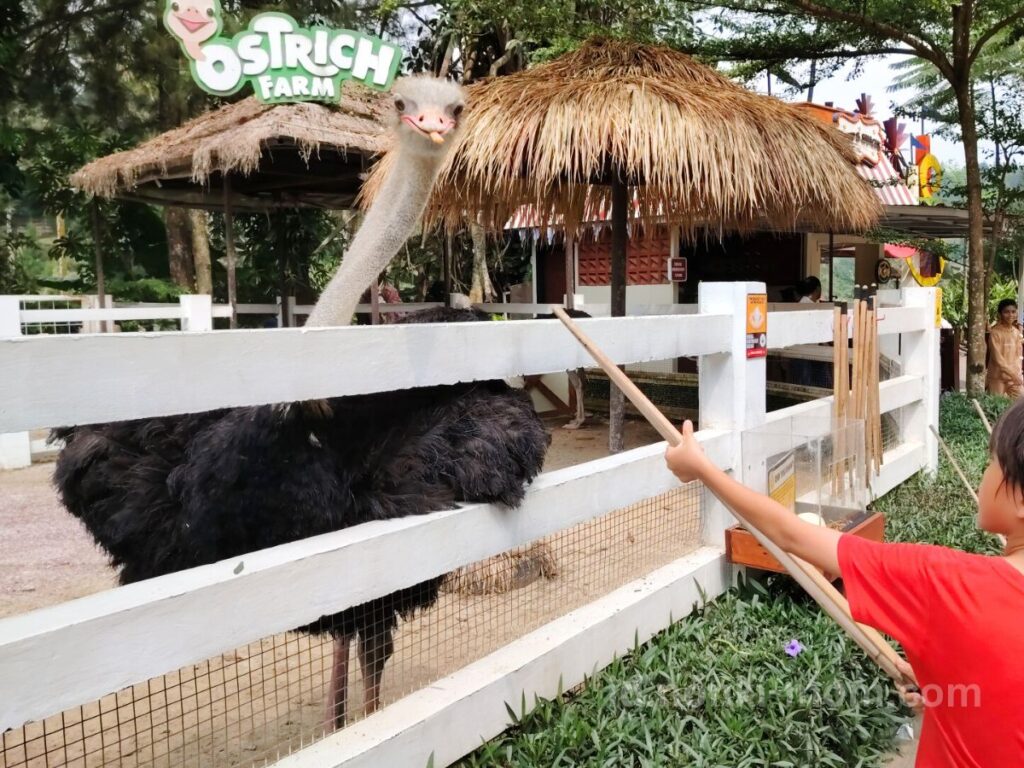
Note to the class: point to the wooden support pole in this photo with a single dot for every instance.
(229, 253)
(374, 303)
(812, 580)
(569, 245)
(620, 234)
(97, 244)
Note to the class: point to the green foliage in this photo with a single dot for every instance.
(939, 510)
(23, 262)
(1002, 288)
(954, 298)
(717, 689)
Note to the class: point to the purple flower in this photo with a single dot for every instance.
(794, 648)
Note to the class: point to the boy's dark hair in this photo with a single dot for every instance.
(1006, 303)
(1007, 445)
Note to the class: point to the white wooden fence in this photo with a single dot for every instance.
(72, 653)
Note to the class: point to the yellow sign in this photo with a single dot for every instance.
(782, 481)
(757, 325)
(938, 307)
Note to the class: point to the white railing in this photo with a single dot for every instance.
(73, 653)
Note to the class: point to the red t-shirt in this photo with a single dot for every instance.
(960, 619)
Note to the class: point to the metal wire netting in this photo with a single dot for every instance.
(268, 698)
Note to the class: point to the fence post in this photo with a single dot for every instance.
(15, 447)
(920, 357)
(731, 386)
(91, 301)
(196, 312)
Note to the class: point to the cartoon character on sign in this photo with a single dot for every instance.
(193, 22)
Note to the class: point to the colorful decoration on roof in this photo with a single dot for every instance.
(864, 132)
(281, 60)
(925, 267)
(930, 176)
(894, 140)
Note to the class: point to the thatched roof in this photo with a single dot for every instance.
(703, 151)
(277, 156)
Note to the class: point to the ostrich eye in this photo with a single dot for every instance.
(399, 103)
(457, 110)
(175, 7)
(209, 12)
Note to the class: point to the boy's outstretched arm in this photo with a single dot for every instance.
(816, 544)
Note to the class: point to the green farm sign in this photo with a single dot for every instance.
(281, 60)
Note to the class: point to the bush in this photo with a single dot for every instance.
(718, 689)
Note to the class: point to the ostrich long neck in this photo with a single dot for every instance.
(389, 222)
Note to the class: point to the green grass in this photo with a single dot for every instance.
(939, 510)
(718, 690)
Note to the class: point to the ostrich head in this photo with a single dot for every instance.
(428, 113)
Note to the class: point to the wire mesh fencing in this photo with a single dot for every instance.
(268, 698)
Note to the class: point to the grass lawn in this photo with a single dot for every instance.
(719, 689)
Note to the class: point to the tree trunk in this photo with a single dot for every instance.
(976, 298)
(179, 247)
(201, 252)
(481, 290)
(620, 211)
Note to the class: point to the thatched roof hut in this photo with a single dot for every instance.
(702, 151)
(279, 156)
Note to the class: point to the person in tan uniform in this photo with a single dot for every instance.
(1003, 376)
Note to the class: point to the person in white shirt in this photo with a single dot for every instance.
(809, 290)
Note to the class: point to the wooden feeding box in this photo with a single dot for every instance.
(741, 548)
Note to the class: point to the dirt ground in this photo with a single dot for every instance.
(267, 698)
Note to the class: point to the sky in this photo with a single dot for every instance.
(874, 79)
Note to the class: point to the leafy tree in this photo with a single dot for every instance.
(950, 38)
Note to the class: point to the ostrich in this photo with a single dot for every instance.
(165, 494)
(429, 111)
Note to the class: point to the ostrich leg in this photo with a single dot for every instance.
(576, 382)
(337, 695)
(376, 644)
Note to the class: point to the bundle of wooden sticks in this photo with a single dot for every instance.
(855, 370)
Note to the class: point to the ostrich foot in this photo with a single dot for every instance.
(337, 695)
(576, 423)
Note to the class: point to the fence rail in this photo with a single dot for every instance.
(126, 635)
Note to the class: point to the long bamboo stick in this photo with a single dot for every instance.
(844, 391)
(984, 418)
(956, 466)
(870, 369)
(836, 387)
(806, 575)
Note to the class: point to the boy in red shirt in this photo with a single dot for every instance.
(959, 617)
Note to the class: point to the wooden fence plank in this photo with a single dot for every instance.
(129, 634)
(453, 716)
(139, 375)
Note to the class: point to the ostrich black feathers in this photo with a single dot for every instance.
(165, 494)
